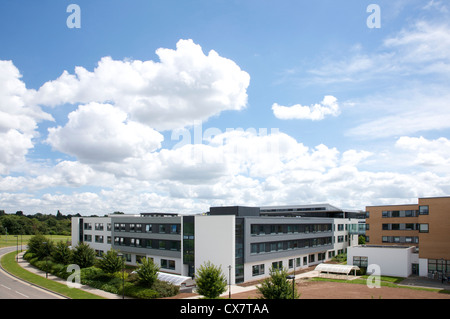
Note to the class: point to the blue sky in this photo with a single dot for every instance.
(138, 109)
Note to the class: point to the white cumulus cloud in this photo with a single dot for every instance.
(185, 86)
(328, 106)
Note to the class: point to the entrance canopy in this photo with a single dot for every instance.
(336, 269)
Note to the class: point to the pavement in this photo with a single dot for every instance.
(26, 265)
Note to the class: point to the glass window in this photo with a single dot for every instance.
(148, 228)
(423, 210)
(423, 228)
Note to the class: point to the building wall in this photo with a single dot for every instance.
(375, 221)
(392, 261)
(435, 244)
(89, 233)
(215, 242)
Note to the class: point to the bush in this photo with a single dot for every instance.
(62, 254)
(83, 255)
(41, 246)
(165, 289)
(210, 280)
(277, 286)
(147, 272)
(111, 262)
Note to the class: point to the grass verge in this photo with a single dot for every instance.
(9, 263)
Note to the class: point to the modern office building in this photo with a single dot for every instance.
(245, 241)
(425, 226)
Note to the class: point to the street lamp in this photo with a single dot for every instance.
(292, 277)
(229, 282)
(46, 260)
(17, 248)
(123, 274)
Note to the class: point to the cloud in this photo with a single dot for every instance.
(185, 86)
(102, 133)
(18, 119)
(328, 106)
(432, 154)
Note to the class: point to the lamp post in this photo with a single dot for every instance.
(46, 260)
(292, 277)
(17, 248)
(123, 274)
(229, 282)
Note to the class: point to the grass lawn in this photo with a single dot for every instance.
(10, 240)
(9, 263)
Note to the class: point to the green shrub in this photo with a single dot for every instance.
(137, 291)
(165, 289)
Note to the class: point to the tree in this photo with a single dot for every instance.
(61, 253)
(147, 271)
(210, 280)
(83, 255)
(110, 262)
(41, 246)
(277, 286)
(361, 240)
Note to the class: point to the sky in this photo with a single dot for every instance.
(176, 106)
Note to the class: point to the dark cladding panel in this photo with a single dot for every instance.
(235, 210)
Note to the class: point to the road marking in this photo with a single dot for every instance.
(22, 294)
(6, 287)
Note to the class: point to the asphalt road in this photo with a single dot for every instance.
(13, 288)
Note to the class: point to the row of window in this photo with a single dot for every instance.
(423, 210)
(400, 239)
(258, 270)
(264, 229)
(268, 247)
(97, 226)
(174, 245)
(148, 228)
(401, 226)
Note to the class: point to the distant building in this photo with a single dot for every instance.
(424, 226)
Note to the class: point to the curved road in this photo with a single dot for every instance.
(13, 288)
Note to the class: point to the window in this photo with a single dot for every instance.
(423, 210)
(423, 228)
(277, 264)
(258, 270)
(148, 228)
(174, 229)
(291, 263)
(360, 261)
(98, 226)
(98, 239)
(168, 264)
(162, 228)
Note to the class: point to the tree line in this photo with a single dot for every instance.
(46, 224)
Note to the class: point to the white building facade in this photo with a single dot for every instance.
(243, 241)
